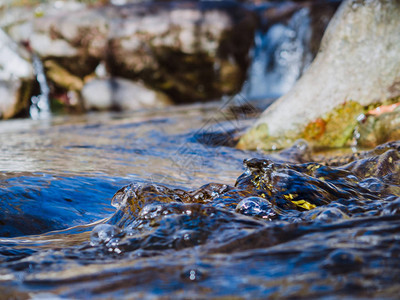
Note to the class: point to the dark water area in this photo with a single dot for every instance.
(158, 204)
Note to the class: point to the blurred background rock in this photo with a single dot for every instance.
(183, 51)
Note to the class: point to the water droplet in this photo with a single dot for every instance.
(342, 261)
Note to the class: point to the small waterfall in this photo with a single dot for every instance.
(40, 104)
(280, 56)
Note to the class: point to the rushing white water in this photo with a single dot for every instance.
(280, 56)
(40, 104)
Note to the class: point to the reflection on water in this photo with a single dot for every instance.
(114, 144)
(145, 205)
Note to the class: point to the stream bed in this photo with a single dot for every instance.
(159, 204)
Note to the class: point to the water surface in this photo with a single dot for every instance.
(188, 219)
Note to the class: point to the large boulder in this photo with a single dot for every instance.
(356, 69)
(16, 78)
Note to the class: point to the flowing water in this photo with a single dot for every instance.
(40, 104)
(159, 204)
(280, 56)
(145, 205)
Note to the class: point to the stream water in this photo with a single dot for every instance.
(121, 206)
(158, 204)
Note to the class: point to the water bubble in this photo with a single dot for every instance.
(256, 206)
(103, 233)
(343, 261)
(151, 211)
(193, 274)
(326, 214)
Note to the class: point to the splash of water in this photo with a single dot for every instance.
(40, 104)
(280, 56)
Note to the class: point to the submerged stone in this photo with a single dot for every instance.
(323, 192)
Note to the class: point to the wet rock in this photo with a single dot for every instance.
(16, 78)
(132, 199)
(268, 191)
(373, 130)
(121, 94)
(361, 45)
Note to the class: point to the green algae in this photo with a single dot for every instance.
(258, 138)
(336, 128)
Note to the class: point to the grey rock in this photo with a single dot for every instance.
(190, 50)
(15, 75)
(121, 94)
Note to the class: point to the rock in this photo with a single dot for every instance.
(373, 130)
(62, 77)
(16, 78)
(121, 94)
(76, 40)
(358, 66)
(190, 50)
